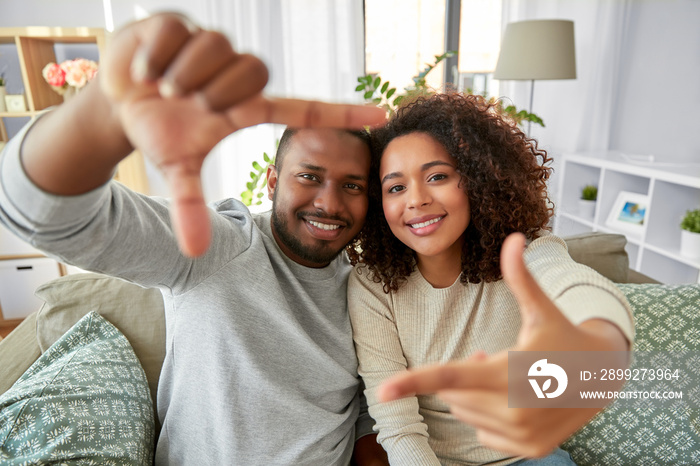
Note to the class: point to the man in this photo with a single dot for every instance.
(260, 366)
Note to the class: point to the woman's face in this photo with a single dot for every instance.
(424, 203)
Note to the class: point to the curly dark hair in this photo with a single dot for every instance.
(503, 172)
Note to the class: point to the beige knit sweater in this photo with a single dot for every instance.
(421, 325)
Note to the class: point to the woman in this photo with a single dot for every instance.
(450, 181)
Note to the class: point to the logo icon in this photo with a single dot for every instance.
(541, 369)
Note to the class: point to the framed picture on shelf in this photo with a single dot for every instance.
(629, 213)
(15, 103)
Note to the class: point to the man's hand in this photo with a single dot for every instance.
(477, 389)
(178, 90)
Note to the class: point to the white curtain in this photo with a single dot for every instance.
(314, 49)
(601, 79)
(578, 113)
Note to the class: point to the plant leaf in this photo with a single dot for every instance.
(385, 87)
(390, 93)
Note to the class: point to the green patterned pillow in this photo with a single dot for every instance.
(84, 401)
(667, 318)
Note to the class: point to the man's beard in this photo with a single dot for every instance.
(321, 254)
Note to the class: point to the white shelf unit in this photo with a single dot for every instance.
(671, 190)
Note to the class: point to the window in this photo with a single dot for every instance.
(402, 36)
(479, 44)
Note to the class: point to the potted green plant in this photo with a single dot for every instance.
(690, 234)
(586, 204)
(380, 93)
(3, 92)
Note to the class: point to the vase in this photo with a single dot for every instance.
(69, 93)
(690, 244)
(3, 93)
(586, 209)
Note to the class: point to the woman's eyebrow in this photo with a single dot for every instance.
(391, 176)
(429, 165)
(424, 167)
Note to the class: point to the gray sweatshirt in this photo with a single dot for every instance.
(260, 366)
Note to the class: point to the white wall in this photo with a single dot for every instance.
(659, 92)
(90, 13)
(655, 96)
(66, 13)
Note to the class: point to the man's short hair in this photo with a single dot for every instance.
(285, 142)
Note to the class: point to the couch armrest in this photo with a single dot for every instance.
(18, 351)
(603, 252)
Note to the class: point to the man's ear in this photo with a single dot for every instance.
(271, 181)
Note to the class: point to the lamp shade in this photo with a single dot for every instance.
(537, 49)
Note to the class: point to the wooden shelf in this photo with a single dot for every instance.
(18, 114)
(35, 49)
(10, 257)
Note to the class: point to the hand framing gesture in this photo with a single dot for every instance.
(477, 388)
(178, 90)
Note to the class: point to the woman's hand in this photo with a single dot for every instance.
(477, 389)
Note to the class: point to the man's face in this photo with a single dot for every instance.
(319, 198)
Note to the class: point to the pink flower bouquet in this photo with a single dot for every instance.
(71, 73)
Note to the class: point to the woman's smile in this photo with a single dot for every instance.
(425, 225)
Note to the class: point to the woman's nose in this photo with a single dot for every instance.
(418, 197)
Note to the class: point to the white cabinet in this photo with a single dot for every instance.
(18, 280)
(22, 270)
(670, 189)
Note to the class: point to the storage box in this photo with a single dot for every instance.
(18, 280)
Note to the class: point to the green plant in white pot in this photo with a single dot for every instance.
(690, 234)
(3, 92)
(586, 204)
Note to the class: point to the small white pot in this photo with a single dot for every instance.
(690, 244)
(586, 209)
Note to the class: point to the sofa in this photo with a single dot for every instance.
(104, 308)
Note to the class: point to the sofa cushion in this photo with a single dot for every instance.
(603, 252)
(85, 399)
(650, 432)
(137, 312)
